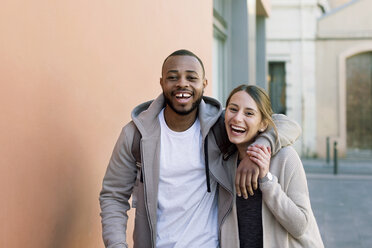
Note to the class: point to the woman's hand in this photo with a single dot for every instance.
(261, 156)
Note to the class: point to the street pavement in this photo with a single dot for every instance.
(342, 203)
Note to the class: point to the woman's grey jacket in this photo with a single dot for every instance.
(122, 180)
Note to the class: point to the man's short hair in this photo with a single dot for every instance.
(184, 52)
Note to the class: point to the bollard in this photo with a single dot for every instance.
(335, 165)
(327, 147)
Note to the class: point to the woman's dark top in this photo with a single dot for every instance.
(250, 220)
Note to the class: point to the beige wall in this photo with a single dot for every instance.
(70, 72)
(337, 3)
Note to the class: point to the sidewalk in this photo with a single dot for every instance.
(342, 204)
(345, 166)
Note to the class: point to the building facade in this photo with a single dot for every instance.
(291, 45)
(344, 79)
(319, 54)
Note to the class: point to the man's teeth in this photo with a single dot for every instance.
(237, 129)
(183, 95)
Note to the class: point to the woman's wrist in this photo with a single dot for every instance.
(266, 178)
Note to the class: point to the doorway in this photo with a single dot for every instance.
(359, 101)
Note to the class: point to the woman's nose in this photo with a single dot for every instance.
(238, 117)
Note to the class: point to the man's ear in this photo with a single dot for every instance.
(161, 81)
(205, 82)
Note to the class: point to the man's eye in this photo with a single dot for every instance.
(172, 78)
(192, 78)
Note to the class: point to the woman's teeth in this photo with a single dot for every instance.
(237, 129)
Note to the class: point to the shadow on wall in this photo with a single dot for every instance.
(67, 203)
(70, 225)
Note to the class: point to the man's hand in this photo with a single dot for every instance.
(246, 177)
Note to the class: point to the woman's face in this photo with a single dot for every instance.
(243, 119)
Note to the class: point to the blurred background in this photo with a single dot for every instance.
(71, 72)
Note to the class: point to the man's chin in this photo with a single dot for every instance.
(183, 111)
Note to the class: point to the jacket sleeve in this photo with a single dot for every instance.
(289, 201)
(288, 133)
(116, 190)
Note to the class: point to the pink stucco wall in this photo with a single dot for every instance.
(70, 72)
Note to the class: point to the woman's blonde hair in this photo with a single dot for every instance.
(262, 100)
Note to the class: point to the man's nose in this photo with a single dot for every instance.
(182, 82)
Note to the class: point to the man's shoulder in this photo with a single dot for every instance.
(210, 105)
(287, 152)
(287, 158)
(128, 131)
(129, 127)
(141, 108)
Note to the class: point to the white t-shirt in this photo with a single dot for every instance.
(187, 213)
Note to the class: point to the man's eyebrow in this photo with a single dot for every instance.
(188, 71)
(191, 71)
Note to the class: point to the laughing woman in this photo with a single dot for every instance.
(279, 213)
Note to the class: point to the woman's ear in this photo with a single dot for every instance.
(263, 126)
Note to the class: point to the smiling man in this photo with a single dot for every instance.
(183, 191)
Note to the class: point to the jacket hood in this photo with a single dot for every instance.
(145, 115)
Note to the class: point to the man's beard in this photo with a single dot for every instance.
(183, 112)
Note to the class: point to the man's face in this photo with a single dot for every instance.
(183, 84)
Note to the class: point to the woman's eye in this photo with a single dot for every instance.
(249, 113)
(233, 109)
